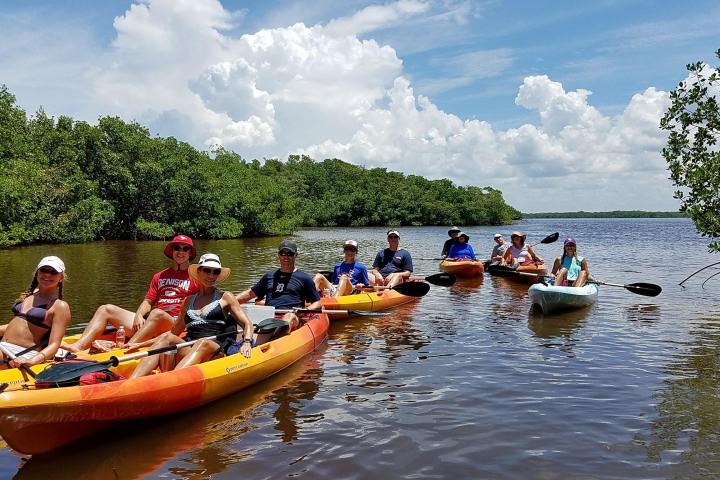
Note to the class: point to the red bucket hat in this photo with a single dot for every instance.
(180, 240)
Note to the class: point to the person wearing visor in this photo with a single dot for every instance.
(570, 269)
(159, 309)
(40, 317)
(207, 313)
(392, 265)
(498, 250)
(286, 287)
(462, 250)
(453, 233)
(347, 276)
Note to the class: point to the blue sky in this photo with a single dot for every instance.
(483, 92)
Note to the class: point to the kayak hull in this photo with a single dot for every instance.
(552, 299)
(39, 420)
(370, 301)
(536, 271)
(463, 268)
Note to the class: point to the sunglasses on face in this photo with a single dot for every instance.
(395, 237)
(179, 248)
(210, 271)
(48, 270)
(286, 253)
(349, 249)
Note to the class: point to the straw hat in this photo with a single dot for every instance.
(209, 260)
(518, 234)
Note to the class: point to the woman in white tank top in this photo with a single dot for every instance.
(518, 253)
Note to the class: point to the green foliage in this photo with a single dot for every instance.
(692, 155)
(68, 181)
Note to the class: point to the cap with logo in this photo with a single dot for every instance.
(52, 261)
(288, 245)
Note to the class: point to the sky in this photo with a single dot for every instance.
(555, 103)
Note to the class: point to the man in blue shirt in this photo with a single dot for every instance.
(392, 265)
(286, 287)
(347, 275)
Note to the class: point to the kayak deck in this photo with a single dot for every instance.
(369, 301)
(40, 420)
(553, 299)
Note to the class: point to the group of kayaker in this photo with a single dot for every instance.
(569, 269)
(185, 298)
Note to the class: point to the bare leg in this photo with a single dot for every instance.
(394, 279)
(321, 283)
(582, 278)
(148, 364)
(201, 351)
(104, 315)
(158, 321)
(560, 278)
(344, 286)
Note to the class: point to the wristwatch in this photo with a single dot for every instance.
(247, 340)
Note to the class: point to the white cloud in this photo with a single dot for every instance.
(176, 66)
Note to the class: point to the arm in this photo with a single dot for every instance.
(140, 314)
(179, 325)
(472, 252)
(556, 266)
(534, 255)
(507, 257)
(246, 296)
(242, 319)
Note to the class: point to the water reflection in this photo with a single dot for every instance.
(206, 440)
(646, 315)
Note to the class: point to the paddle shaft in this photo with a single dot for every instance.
(12, 356)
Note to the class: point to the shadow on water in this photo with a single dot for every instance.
(205, 438)
(686, 432)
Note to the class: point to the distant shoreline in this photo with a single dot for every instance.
(610, 214)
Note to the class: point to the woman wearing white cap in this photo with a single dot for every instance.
(40, 317)
(207, 313)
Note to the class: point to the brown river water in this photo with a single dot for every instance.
(468, 382)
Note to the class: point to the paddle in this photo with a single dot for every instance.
(7, 353)
(647, 289)
(59, 373)
(549, 239)
(440, 279)
(505, 271)
(411, 289)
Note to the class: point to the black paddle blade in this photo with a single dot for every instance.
(502, 271)
(441, 279)
(551, 238)
(413, 289)
(66, 373)
(647, 289)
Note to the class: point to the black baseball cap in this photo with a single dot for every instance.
(288, 245)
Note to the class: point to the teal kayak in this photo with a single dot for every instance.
(553, 299)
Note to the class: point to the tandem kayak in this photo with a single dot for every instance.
(553, 299)
(368, 301)
(40, 420)
(463, 268)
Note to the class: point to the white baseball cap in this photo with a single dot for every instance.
(498, 235)
(52, 261)
(350, 243)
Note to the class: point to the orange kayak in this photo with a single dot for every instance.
(369, 301)
(40, 420)
(463, 268)
(537, 269)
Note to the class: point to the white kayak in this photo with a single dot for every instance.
(554, 299)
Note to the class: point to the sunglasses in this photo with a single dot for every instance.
(286, 253)
(393, 236)
(179, 248)
(48, 270)
(349, 249)
(210, 271)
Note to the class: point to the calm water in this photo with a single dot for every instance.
(466, 383)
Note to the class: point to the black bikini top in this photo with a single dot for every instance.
(34, 315)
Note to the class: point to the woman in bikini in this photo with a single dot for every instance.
(40, 317)
(206, 313)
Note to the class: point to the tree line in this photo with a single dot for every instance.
(67, 181)
(609, 214)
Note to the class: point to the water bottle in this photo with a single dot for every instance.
(120, 337)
